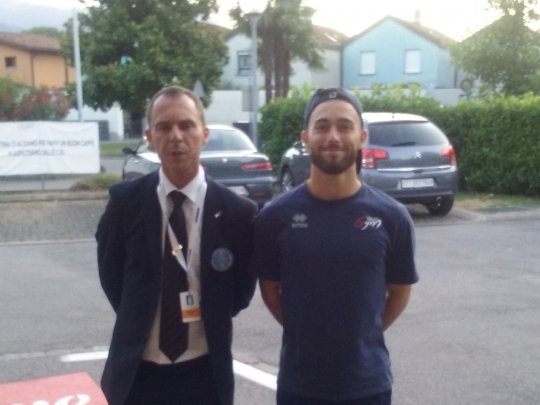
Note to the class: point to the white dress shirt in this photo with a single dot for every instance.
(195, 191)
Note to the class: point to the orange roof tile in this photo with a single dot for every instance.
(30, 42)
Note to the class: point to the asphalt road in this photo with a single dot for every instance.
(469, 335)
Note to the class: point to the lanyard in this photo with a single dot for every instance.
(194, 230)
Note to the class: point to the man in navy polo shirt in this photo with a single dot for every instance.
(335, 260)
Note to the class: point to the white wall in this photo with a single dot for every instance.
(230, 74)
(114, 116)
(329, 76)
(227, 107)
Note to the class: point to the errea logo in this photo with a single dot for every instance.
(299, 221)
(368, 222)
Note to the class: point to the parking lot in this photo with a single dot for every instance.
(469, 336)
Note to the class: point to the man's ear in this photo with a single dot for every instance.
(206, 134)
(304, 137)
(148, 136)
(363, 137)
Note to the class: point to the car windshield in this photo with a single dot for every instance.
(405, 134)
(223, 139)
(218, 140)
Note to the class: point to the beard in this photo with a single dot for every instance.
(334, 165)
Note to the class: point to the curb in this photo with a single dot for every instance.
(36, 196)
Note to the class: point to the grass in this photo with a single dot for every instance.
(96, 182)
(114, 148)
(474, 201)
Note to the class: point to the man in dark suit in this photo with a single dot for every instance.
(135, 243)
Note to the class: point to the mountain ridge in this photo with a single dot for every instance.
(18, 15)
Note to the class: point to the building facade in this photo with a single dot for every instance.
(34, 60)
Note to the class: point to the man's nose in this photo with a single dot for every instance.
(333, 134)
(177, 132)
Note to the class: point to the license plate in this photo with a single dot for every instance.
(417, 183)
(240, 190)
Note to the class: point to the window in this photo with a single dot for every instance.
(367, 63)
(244, 63)
(412, 61)
(10, 62)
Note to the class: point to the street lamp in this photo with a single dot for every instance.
(253, 9)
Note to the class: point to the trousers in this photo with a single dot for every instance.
(287, 398)
(186, 383)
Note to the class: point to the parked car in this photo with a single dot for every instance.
(229, 157)
(405, 155)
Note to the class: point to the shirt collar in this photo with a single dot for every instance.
(190, 190)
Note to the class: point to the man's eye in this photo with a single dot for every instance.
(187, 125)
(321, 128)
(345, 128)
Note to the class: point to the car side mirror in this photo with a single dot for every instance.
(126, 150)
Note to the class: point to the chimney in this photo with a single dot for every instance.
(417, 17)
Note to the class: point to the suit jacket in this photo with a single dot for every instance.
(129, 249)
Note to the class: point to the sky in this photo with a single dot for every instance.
(455, 18)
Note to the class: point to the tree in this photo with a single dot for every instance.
(504, 56)
(46, 31)
(132, 48)
(287, 33)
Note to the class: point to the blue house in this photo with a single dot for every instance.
(395, 51)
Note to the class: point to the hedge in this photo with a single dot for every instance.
(497, 140)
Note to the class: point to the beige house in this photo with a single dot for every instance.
(34, 60)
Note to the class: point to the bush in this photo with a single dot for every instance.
(96, 182)
(498, 144)
(281, 123)
(23, 103)
(497, 141)
(398, 98)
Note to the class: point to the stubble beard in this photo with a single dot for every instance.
(334, 166)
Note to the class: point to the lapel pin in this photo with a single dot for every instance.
(217, 214)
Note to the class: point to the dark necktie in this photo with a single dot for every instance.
(173, 333)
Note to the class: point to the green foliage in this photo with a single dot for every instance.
(398, 98)
(19, 102)
(132, 48)
(115, 148)
(282, 121)
(287, 34)
(497, 140)
(498, 144)
(50, 32)
(96, 182)
(504, 56)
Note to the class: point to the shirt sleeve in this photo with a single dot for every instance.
(265, 262)
(401, 267)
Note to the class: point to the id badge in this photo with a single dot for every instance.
(189, 306)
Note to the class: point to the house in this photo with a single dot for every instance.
(34, 60)
(394, 51)
(230, 102)
(237, 72)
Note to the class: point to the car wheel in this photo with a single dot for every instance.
(442, 207)
(287, 180)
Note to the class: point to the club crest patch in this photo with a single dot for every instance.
(222, 259)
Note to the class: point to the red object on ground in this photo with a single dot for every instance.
(69, 389)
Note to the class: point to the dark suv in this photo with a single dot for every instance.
(405, 155)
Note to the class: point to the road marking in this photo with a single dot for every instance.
(244, 370)
(254, 374)
(88, 356)
(47, 242)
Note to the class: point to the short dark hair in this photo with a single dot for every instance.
(173, 92)
(333, 93)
